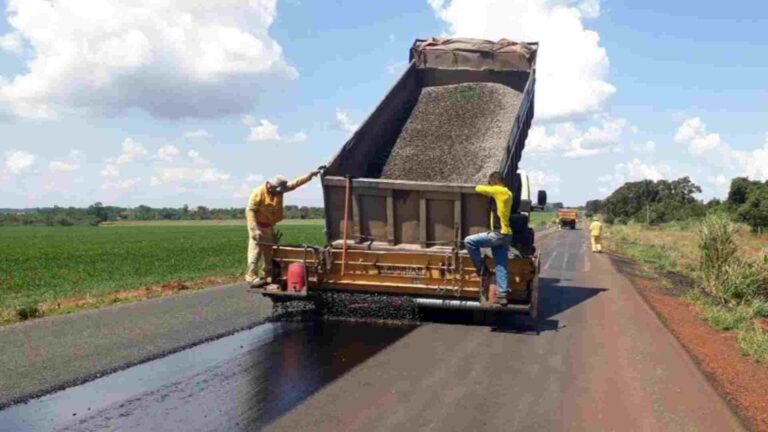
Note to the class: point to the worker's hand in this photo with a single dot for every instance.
(319, 170)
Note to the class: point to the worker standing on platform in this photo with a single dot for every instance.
(264, 210)
(595, 233)
(498, 240)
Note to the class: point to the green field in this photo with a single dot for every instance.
(43, 265)
(541, 218)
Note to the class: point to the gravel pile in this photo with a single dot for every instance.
(455, 134)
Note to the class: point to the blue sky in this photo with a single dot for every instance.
(132, 103)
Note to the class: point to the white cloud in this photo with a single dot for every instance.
(694, 133)
(12, 43)
(634, 170)
(172, 175)
(18, 161)
(569, 140)
(572, 67)
(110, 170)
(170, 58)
(196, 158)
(63, 166)
(589, 8)
(121, 186)
(199, 133)
(754, 163)
(132, 151)
(543, 180)
(167, 153)
(264, 130)
(244, 189)
(344, 122)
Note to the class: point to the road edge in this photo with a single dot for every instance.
(739, 411)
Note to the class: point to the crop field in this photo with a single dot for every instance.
(43, 265)
(541, 218)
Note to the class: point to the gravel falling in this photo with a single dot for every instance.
(348, 306)
(455, 134)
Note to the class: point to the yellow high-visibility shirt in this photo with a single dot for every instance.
(266, 208)
(596, 229)
(503, 198)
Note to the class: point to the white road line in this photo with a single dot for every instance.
(549, 261)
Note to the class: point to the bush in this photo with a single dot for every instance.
(753, 340)
(741, 279)
(28, 312)
(717, 243)
(725, 318)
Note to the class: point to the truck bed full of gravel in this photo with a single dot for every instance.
(455, 134)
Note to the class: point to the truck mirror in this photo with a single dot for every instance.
(541, 199)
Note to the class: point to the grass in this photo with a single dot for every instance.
(541, 218)
(753, 340)
(41, 266)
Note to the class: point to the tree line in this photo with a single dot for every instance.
(98, 213)
(655, 202)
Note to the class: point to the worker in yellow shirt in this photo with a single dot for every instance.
(497, 240)
(595, 233)
(264, 210)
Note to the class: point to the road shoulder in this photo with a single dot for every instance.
(740, 381)
(49, 354)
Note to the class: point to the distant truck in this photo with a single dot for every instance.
(567, 218)
(403, 236)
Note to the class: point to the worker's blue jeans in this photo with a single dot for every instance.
(499, 244)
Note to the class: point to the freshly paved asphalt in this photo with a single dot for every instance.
(51, 353)
(598, 359)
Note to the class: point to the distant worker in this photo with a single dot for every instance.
(596, 232)
(497, 240)
(265, 209)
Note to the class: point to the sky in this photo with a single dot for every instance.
(173, 102)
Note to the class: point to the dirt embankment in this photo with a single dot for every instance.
(741, 381)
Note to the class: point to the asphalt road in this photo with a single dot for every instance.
(40, 356)
(598, 360)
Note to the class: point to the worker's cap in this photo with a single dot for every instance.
(279, 182)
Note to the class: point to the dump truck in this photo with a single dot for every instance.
(567, 218)
(404, 236)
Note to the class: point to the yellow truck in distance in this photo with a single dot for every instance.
(567, 218)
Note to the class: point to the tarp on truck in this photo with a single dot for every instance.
(474, 54)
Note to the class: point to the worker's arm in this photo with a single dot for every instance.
(301, 181)
(489, 190)
(250, 211)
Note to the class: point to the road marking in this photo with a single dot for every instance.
(549, 261)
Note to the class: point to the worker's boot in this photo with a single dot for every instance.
(259, 283)
(501, 299)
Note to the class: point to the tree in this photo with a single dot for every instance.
(651, 202)
(737, 195)
(755, 210)
(143, 212)
(98, 212)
